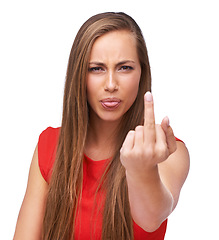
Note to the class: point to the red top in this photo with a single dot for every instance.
(89, 218)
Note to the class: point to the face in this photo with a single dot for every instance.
(113, 75)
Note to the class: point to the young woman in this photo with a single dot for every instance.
(109, 172)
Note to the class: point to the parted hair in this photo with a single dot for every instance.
(65, 185)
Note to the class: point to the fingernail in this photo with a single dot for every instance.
(167, 121)
(148, 97)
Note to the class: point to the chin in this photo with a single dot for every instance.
(111, 119)
(107, 116)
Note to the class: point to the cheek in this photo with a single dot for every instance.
(91, 88)
(90, 93)
(132, 87)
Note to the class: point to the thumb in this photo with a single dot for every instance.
(170, 138)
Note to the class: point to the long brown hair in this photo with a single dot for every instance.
(67, 177)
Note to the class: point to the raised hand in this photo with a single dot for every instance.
(147, 145)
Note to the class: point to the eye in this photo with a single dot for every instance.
(126, 68)
(95, 69)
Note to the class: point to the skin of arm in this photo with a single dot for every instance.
(156, 168)
(29, 223)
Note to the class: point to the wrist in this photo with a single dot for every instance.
(148, 176)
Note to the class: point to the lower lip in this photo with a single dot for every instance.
(110, 105)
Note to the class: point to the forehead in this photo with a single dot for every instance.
(115, 45)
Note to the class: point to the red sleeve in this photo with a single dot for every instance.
(47, 145)
(159, 234)
(177, 139)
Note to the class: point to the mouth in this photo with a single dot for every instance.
(110, 103)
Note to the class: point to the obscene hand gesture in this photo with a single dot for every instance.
(147, 145)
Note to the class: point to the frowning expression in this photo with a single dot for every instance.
(113, 75)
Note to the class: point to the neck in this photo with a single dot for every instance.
(101, 139)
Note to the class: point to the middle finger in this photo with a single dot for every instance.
(149, 119)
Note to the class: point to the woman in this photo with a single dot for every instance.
(109, 172)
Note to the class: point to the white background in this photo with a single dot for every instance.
(182, 40)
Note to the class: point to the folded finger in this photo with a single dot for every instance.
(139, 136)
(129, 141)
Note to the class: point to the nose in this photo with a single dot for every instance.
(111, 83)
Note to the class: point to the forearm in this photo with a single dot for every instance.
(150, 201)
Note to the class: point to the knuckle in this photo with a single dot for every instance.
(124, 153)
(150, 125)
(139, 128)
(138, 153)
(131, 133)
(158, 127)
(162, 151)
(149, 152)
(173, 148)
(170, 132)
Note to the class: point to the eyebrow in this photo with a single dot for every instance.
(118, 64)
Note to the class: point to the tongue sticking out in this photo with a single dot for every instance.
(110, 105)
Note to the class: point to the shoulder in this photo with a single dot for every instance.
(50, 134)
(47, 145)
(48, 140)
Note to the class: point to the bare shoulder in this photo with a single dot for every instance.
(29, 223)
(174, 170)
